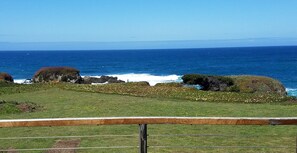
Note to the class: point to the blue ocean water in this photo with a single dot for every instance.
(164, 64)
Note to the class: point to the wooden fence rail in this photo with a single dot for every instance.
(149, 120)
(143, 121)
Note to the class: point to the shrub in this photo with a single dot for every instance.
(233, 88)
(252, 84)
(57, 74)
(193, 79)
(56, 70)
(5, 77)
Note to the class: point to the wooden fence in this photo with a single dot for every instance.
(144, 121)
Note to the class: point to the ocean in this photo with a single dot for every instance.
(161, 65)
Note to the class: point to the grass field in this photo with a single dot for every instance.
(58, 101)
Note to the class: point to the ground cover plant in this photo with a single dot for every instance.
(178, 92)
(11, 107)
(252, 84)
(68, 100)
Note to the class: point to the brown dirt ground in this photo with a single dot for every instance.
(64, 144)
(11, 150)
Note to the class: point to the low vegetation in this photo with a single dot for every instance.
(142, 89)
(253, 84)
(171, 84)
(11, 107)
(57, 74)
(12, 88)
(67, 100)
(19, 101)
(134, 89)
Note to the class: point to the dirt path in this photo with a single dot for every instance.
(64, 144)
(11, 150)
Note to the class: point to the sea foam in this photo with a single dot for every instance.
(22, 81)
(151, 79)
(292, 92)
(19, 81)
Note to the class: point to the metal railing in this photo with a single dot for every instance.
(143, 122)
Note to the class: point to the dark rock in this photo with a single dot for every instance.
(102, 79)
(208, 82)
(89, 80)
(5, 77)
(57, 74)
(115, 80)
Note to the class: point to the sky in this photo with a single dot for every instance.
(124, 24)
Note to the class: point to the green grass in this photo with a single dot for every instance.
(8, 108)
(56, 101)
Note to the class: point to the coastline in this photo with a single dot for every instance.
(153, 80)
(161, 65)
(133, 77)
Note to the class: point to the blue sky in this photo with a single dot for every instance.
(116, 24)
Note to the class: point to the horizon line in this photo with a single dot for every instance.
(126, 49)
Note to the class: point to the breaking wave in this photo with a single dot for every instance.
(151, 79)
(292, 92)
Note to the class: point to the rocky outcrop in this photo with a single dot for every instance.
(253, 84)
(208, 82)
(5, 77)
(102, 79)
(241, 83)
(57, 74)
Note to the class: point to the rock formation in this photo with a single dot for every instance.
(208, 82)
(252, 84)
(5, 77)
(57, 74)
(102, 79)
(240, 83)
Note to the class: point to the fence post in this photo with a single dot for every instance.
(142, 138)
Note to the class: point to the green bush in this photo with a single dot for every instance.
(193, 79)
(233, 88)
